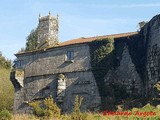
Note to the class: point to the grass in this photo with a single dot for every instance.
(90, 116)
(24, 117)
(6, 90)
(148, 112)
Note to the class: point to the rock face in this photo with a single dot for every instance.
(139, 66)
(151, 34)
(136, 69)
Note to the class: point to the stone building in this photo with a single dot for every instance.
(64, 70)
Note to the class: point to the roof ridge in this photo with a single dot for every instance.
(99, 36)
(82, 40)
(113, 34)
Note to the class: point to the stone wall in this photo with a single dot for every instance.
(123, 83)
(151, 34)
(126, 75)
(41, 72)
(38, 88)
(82, 84)
(47, 31)
(136, 70)
(54, 61)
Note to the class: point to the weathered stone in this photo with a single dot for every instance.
(47, 32)
(38, 77)
(125, 73)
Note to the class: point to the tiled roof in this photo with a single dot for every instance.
(85, 40)
(89, 39)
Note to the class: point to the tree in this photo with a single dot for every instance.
(22, 50)
(6, 87)
(32, 40)
(141, 24)
(4, 63)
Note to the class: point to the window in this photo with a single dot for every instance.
(70, 55)
(19, 63)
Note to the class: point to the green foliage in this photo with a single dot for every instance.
(144, 112)
(77, 104)
(141, 24)
(6, 90)
(76, 113)
(103, 59)
(147, 108)
(4, 62)
(21, 50)
(24, 117)
(50, 110)
(32, 41)
(5, 115)
(37, 110)
(156, 99)
(138, 51)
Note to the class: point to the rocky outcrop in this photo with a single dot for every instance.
(151, 34)
(138, 69)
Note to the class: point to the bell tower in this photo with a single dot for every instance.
(47, 31)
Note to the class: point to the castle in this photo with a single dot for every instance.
(104, 70)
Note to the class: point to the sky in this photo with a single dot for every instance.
(77, 18)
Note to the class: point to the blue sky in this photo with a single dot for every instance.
(78, 18)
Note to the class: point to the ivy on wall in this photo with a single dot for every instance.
(106, 55)
(137, 50)
(103, 58)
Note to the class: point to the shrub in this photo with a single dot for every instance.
(52, 109)
(6, 90)
(37, 110)
(76, 113)
(103, 59)
(5, 115)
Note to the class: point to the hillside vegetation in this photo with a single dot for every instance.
(52, 112)
(6, 88)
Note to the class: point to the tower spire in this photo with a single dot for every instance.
(47, 31)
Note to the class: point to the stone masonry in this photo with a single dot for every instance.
(41, 72)
(63, 70)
